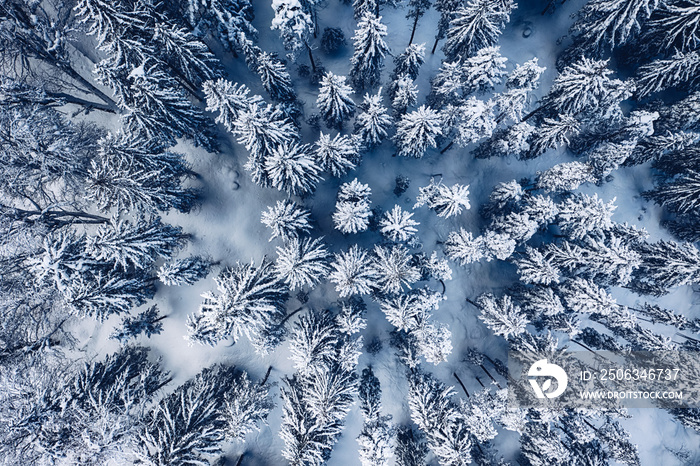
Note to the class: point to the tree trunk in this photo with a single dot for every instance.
(480, 382)
(311, 58)
(240, 460)
(432, 52)
(91, 87)
(288, 316)
(413, 31)
(461, 384)
(267, 375)
(88, 105)
(472, 303)
(447, 147)
(490, 376)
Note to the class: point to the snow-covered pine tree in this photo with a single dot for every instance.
(275, 78)
(294, 25)
(292, 168)
(313, 342)
(377, 433)
(485, 70)
(189, 58)
(131, 173)
(667, 264)
(250, 301)
(410, 449)
(475, 121)
(681, 194)
(373, 122)
(565, 176)
(147, 322)
(184, 271)
(405, 94)
(462, 247)
(604, 25)
(551, 134)
(337, 155)
(409, 61)
(674, 25)
(351, 318)
(476, 25)
(352, 272)
(302, 262)
(582, 86)
(525, 75)
(231, 20)
(448, 85)
(261, 129)
(370, 50)
(584, 296)
(393, 269)
(187, 426)
(334, 100)
(446, 201)
(286, 220)
(228, 100)
(535, 268)
(433, 410)
(352, 208)
(502, 316)
(580, 215)
(158, 108)
(245, 408)
(417, 132)
(397, 225)
(134, 245)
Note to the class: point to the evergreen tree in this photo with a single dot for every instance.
(286, 220)
(433, 410)
(294, 25)
(313, 342)
(352, 272)
(535, 268)
(190, 58)
(352, 208)
(186, 427)
(485, 70)
(410, 449)
(463, 248)
(675, 25)
(228, 100)
(132, 173)
(417, 132)
(504, 318)
(377, 433)
(302, 262)
(606, 24)
(552, 134)
(680, 195)
(250, 301)
(230, 19)
(405, 94)
(370, 49)
(410, 61)
(136, 245)
(397, 225)
(565, 176)
(393, 269)
(667, 264)
(147, 322)
(246, 406)
(582, 86)
(475, 121)
(334, 100)
(446, 201)
(275, 78)
(292, 168)
(337, 155)
(184, 271)
(158, 109)
(581, 215)
(372, 124)
(475, 26)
